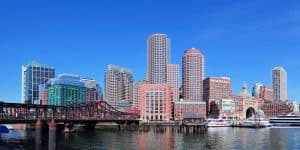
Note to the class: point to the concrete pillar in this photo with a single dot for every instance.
(52, 135)
(38, 135)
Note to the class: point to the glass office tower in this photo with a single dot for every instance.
(33, 75)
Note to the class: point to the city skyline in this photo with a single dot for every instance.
(69, 52)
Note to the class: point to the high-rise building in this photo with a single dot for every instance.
(136, 93)
(118, 85)
(155, 102)
(216, 89)
(192, 75)
(279, 83)
(33, 75)
(173, 80)
(68, 89)
(158, 58)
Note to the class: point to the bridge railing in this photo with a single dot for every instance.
(100, 111)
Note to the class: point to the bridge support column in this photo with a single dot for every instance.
(52, 135)
(90, 126)
(38, 134)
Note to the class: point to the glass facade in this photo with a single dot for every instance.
(62, 95)
(68, 89)
(33, 75)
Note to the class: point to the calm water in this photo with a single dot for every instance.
(215, 138)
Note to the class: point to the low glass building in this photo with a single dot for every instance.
(67, 89)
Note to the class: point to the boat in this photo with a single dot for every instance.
(3, 129)
(210, 122)
(254, 123)
(10, 127)
(286, 120)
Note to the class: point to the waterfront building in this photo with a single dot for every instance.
(33, 75)
(256, 89)
(192, 75)
(158, 58)
(91, 85)
(273, 109)
(68, 89)
(227, 108)
(184, 109)
(279, 83)
(173, 80)
(266, 94)
(155, 102)
(296, 107)
(216, 89)
(245, 104)
(44, 97)
(118, 85)
(262, 92)
(136, 94)
(42, 94)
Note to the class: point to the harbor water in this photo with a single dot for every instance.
(215, 138)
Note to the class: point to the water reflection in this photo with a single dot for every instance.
(215, 138)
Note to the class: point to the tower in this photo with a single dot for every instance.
(192, 75)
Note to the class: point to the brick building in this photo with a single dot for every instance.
(155, 102)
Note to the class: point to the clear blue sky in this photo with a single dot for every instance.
(242, 39)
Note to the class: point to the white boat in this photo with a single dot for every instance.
(254, 123)
(286, 120)
(210, 122)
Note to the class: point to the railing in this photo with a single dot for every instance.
(97, 111)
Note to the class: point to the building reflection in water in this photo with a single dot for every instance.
(157, 140)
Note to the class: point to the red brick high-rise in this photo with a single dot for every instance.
(192, 75)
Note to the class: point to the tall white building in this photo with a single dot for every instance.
(33, 75)
(118, 85)
(173, 80)
(192, 75)
(158, 58)
(279, 82)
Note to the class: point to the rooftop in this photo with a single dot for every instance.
(191, 102)
(36, 64)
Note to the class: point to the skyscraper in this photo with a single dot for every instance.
(173, 80)
(192, 75)
(33, 75)
(279, 83)
(158, 58)
(118, 85)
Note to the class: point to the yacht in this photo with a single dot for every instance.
(255, 123)
(210, 122)
(286, 120)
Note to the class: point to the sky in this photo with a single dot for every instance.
(240, 39)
